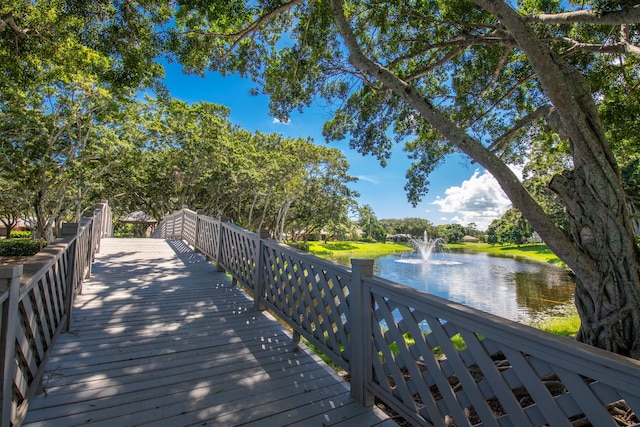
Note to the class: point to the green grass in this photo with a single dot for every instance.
(564, 326)
(326, 359)
(535, 251)
(337, 248)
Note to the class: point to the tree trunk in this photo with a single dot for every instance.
(600, 246)
(607, 265)
(608, 299)
(9, 224)
(41, 219)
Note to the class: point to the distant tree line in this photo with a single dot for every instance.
(158, 155)
(381, 229)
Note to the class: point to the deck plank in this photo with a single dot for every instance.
(158, 337)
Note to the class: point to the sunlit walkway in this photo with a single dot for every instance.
(159, 337)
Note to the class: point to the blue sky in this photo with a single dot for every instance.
(460, 192)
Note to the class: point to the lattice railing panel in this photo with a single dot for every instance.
(238, 253)
(189, 226)
(37, 308)
(437, 362)
(433, 361)
(170, 227)
(208, 232)
(312, 296)
(174, 226)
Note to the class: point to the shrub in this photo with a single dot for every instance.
(368, 240)
(21, 234)
(121, 229)
(19, 247)
(303, 246)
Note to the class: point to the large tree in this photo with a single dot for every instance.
(190, 154)
(479, 77)
(65, 68)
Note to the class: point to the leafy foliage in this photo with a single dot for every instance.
(371, 227)
(22, 234)
(181, 154)
(451, 233)
(412, 226)
(511, 228)
(19, 247)
(480, 77)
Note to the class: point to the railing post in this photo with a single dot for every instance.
(196, 231)
(219, 267)
(99, 210)
(9, 281)
(360, 341)
(182, 216)
(258, 277)
(93, 246)
(70, 229)
(106, 219)
(184, 221)
(171, 235)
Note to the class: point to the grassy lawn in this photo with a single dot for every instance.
(535, 251)
(563, 326)
(348, 247)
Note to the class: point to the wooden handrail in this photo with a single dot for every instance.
(35, 301)
(506, 373)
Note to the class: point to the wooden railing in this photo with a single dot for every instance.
(433, 361)
(36, 299)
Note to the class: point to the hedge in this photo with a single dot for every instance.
(19, 247)
(21, 234)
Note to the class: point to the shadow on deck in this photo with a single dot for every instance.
(159, 337)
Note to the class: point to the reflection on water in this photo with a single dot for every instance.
(517, 290)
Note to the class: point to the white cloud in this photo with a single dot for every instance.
(281, 122)
(368, 178)
(479, 200)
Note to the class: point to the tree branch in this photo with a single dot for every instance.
(500, 143)
(446, 58)
(456, 136)
(495, 38)
(631, 48)
(9, 20)
(628, 15)
(249, 29)
(621, 47)
(501, 64)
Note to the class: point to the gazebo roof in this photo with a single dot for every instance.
(138, 217)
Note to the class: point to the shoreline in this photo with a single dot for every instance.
(531, 251)
(565, 324)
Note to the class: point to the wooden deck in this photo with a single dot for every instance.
(158, 337)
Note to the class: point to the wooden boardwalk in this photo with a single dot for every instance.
(158, 337)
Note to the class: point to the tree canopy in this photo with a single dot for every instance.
(73, 129)
(549, 85)
(488, 78)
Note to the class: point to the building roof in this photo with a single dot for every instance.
(138, 217)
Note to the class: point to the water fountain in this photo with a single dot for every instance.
(510, 288)
(425, 245)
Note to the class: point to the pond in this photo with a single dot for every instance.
(515, 289)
